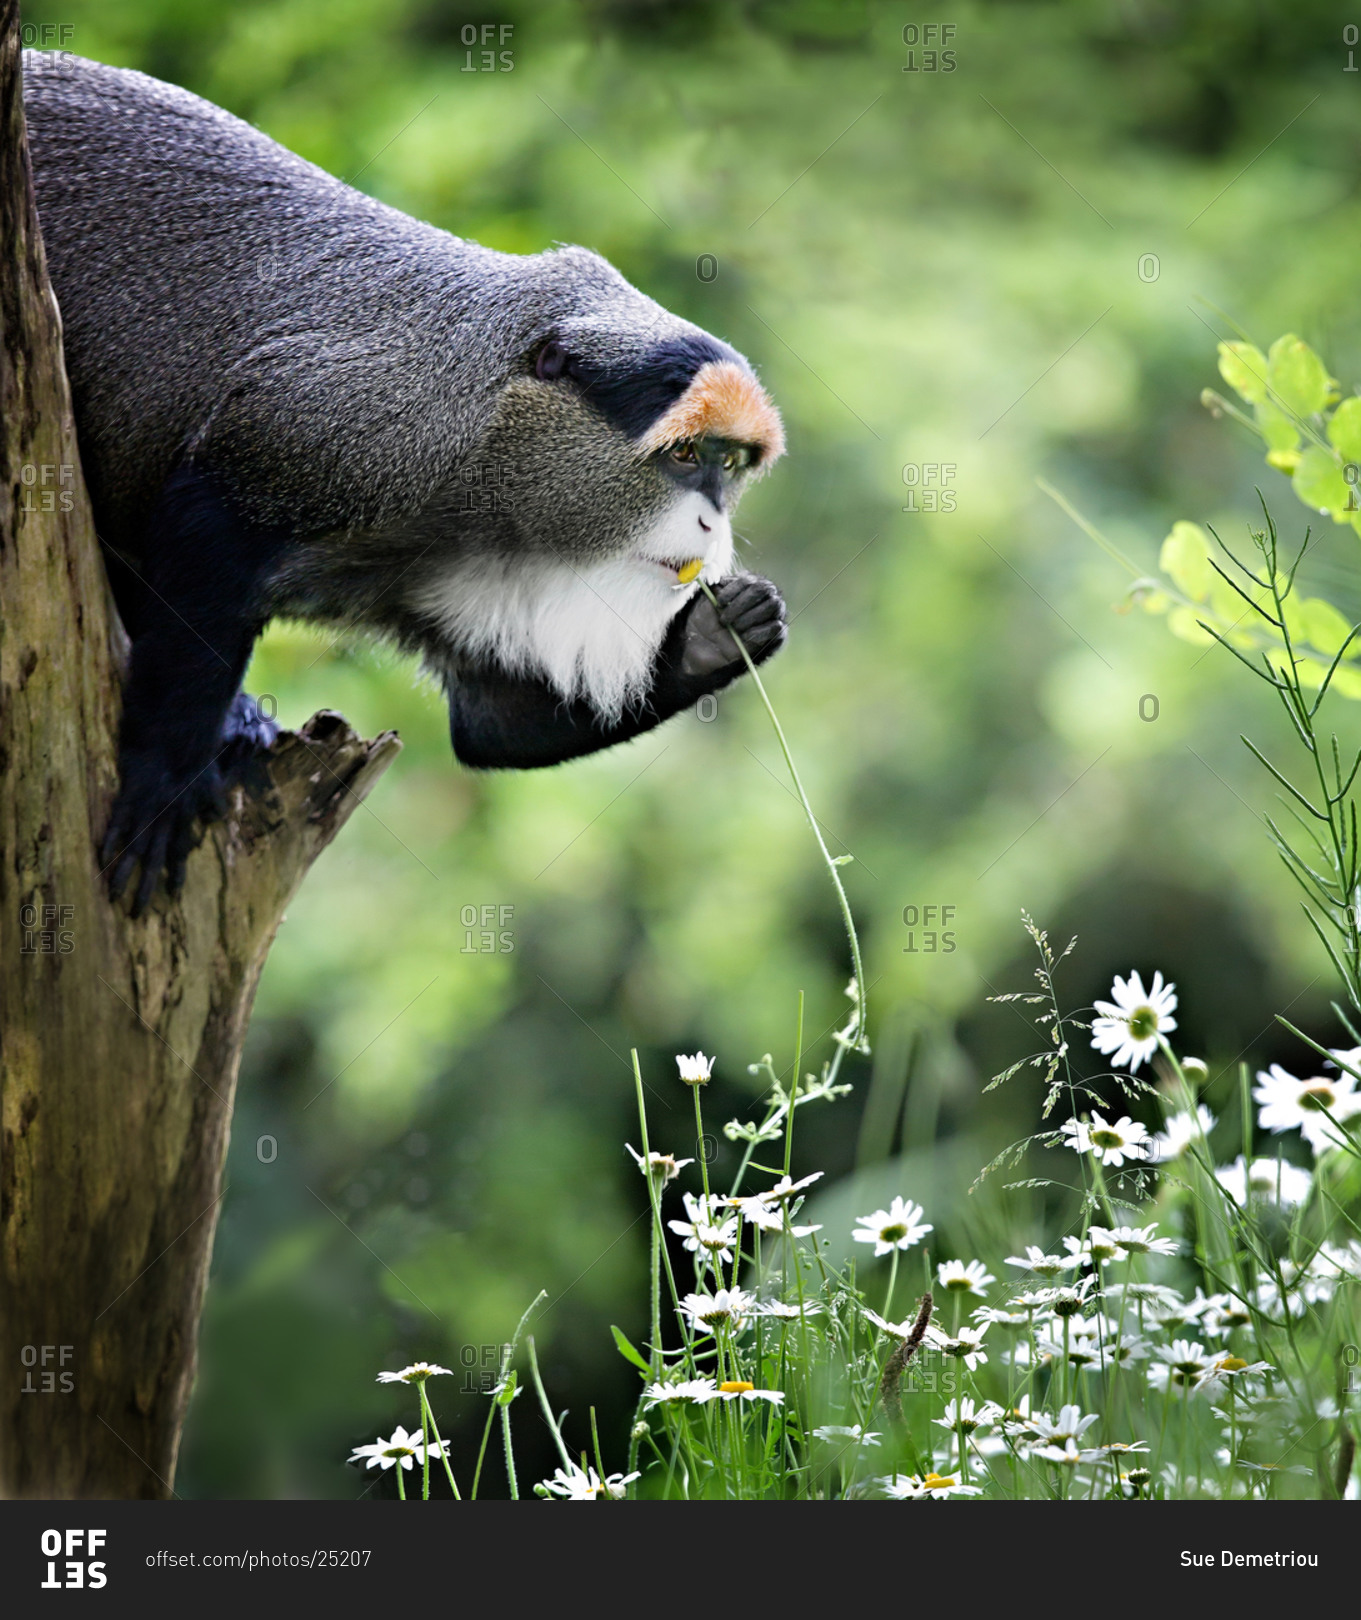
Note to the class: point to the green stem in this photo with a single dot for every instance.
(860, 1043)
(428, 1415)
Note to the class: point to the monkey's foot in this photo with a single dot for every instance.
(747, 604)
(157, 820)
(162, 811)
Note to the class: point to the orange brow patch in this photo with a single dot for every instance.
(722, 402)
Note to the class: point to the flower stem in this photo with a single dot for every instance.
(860, 1043)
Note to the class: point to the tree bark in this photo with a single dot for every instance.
(119, 1039)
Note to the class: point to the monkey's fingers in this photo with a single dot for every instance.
(187, 837)
(153, 863)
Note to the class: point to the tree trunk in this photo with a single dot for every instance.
(119, 1039)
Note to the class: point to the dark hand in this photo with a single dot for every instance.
(747, 604)
(164, 807)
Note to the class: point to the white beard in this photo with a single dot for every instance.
(592, 630)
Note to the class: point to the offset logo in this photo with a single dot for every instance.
(78, 1570)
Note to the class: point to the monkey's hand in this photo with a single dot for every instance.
(708, 652)
(165, 805)
(501, 721)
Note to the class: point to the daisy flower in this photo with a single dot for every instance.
(1141, 1240)
(416, 1373)
(922, 1487)
(1064, 1301)
(1084, 1347)
(729, 1308)
(1128, 1028)
(893, 1228)
(663, 1166)
(693, 1390)
(1114, 1144)
(786, 1187)
(702, 1232)
(1042, 1264)
(1095, 1246)
(406, 1449)
(1223, 1313)
(790, 1313)
(1179, 1131)
(957, 1277)
(1228, 1366)
(966, 1344)
(1068, 1455)
(1289, 1104)
(963, 1416)
(850, 1433)
(1181, 1365)
(585, 1485)
(1070, 1424)
(1272, 1179)
(899, 1330)
(738, 1389)
(989, 1314)
(695, 1071)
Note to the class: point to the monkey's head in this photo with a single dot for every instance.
(622, 440)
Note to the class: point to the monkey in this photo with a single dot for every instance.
(294, 400)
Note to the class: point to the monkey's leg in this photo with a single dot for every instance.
(519, 722)
(183, 734)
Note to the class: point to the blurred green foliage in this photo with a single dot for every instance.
(1011, 269)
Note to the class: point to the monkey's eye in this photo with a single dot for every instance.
(552, 361)
(685, 453)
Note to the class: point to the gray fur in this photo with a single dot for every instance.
(340, 365)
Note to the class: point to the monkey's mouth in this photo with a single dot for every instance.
(678, 573)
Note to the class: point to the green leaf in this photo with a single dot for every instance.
(1185, 556)
(1244, 367)
(1277, 429)
(1298, 379)
(1344, 429)
(1319, 483)
(506, 1393)
(628, 1352)
(1182, 622)
(1347, 681)
(1325, 629)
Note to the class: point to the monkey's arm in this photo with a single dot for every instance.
(185, 730)
(518, 722)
